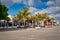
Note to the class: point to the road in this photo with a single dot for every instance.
(32, 34)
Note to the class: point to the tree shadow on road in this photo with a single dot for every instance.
(10, 29)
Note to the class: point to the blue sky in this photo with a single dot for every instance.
(15, 8)
(51, 7)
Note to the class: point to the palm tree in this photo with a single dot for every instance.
(42, 17)
(22, 15)
(52, 19)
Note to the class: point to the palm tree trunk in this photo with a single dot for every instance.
(32, 23)
(52, 22)
(1, 24)
(24, 24)
(12, 24)
(7, 24)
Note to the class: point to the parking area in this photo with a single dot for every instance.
(32, 34)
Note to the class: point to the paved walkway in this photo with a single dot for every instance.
(32, 34)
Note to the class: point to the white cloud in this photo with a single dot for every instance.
(57, 2)
(10, 2)
(6, 2)
(50, 3)
(33, 10)
(57, 15)
(50, 10)
(17, 1)
(55, 9)
(25, 2)
(53, 2)
(30, 2)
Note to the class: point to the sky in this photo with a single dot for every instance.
(51, 7)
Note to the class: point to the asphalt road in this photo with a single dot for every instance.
(32, 34)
